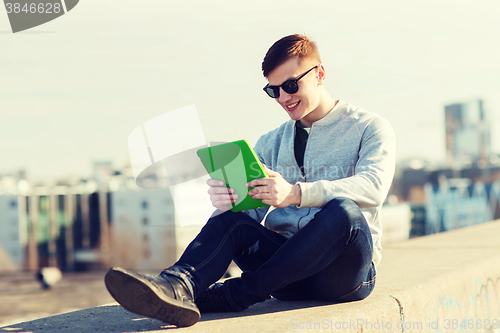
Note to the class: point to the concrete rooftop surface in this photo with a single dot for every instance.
(434, 283)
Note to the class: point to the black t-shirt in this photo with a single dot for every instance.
(301, 136)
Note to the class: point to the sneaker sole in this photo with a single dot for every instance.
(138, 295)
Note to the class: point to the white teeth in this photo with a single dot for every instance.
(291, 106)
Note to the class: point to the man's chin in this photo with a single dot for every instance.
(294, 115)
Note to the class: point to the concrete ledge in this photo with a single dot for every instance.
(447, 282)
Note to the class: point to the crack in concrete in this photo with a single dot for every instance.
(401, 314)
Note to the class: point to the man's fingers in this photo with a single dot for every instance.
(223, 197)
(223, 202)
(265, 181)
(259, 191)
(220, 190)
(270, 172)
(215, 182)
(260, 182)
(263, 185)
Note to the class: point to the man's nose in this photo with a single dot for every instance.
(283, 96)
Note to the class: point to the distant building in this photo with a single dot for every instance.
(146, 232)
(467, 135)
(443, 199)
(103, 170)
(79, 227)
(12, 234)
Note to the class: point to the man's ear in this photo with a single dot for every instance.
(321, 74)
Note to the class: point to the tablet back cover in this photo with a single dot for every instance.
(236, 164)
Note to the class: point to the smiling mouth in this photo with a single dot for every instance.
(291, 106)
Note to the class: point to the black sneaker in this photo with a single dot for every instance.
(213, 300)
(165, 298)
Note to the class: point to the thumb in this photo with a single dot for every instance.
(269, 171)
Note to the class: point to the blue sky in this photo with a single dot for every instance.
(73, 89)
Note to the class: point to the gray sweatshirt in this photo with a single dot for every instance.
(350, 153)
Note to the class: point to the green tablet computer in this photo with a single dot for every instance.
(236, 164)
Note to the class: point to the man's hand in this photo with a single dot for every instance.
(275, 190)
(220, 195)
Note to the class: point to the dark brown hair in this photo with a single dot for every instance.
(298, 46)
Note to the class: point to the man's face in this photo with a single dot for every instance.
(302, 104)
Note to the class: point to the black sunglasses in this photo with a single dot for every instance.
(289, 86)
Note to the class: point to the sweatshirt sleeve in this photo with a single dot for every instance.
(373, 172)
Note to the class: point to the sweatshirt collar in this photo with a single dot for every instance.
(333, 114)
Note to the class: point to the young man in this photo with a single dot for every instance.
(330, 168)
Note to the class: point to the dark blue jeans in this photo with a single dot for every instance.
(329, 259)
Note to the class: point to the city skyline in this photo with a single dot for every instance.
(73, 89)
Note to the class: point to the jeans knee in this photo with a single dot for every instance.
(229, 218)
(343, 209)
(345, 204)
